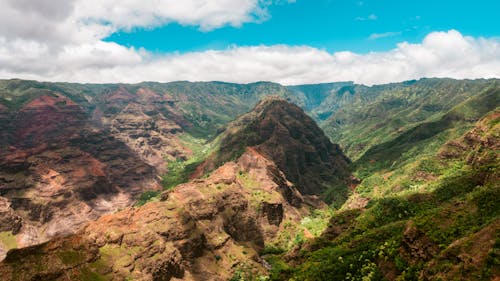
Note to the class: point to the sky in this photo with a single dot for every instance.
(243, 41)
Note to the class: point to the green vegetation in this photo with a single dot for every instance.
(444, 200)
(72, 257)
(8, 240)
(426, 153)
(317, 222)
(179, 170)
(245, 272)
(375, 116)
(147, 196)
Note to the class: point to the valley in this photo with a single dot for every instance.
(222, 181)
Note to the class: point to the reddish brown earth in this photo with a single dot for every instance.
(146, 121)
(203, 230)
(284, 133)
(60, 170)
(65, 164)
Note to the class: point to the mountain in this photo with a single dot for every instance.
(285, 134)
(59, 172)
(445, 227)
(70, 153)
(207, 180)
(209, 228)
(310, 97)
(381, 113)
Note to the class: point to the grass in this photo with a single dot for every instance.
(146, 197)
(179, 170)
(72, 257)
(8, 240)
(445, 199)
(318, 221)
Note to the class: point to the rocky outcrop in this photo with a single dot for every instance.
(417, 247)
(58, 171)
(63, 259)
(273, 212)
(146, 123)
(285, 134)
(481, 139)
(201, 230)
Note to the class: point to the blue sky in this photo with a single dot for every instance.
(358, 26)
(243, 41)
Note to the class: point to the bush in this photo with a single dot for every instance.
(146, 197)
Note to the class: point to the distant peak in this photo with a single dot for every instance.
(285, 134)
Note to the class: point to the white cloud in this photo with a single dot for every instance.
(60, 22)
(440, 54)
(61, 40)
(370, 17)
(375, 36)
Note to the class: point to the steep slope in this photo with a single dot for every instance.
(203, 230)
(427, 137)
(58, 171)
(285, 134)
(314, 96)
(381, 113)
(70, 153)
(209, 228)
(446, 227)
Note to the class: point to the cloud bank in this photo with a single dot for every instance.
(62, 40)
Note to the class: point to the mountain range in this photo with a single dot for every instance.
(221, 181)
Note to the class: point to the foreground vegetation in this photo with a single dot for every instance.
(436, 217)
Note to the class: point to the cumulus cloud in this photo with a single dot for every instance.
(440, 54)
(60, 22)
(62, 40)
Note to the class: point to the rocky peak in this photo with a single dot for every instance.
(282, 132)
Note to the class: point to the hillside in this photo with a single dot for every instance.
(285, 134)
(446, 227)
(213, 227)
(382, 113)
(72, 152)
(219, 181)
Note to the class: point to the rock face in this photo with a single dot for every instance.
(146, 122)
(210, 227)
(481, 139)
(202, 230)
(68, 159)
(59, 171)
(284, 133)
(416, 247)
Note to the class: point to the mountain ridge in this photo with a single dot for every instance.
(242, 205)
(287, 136)
(425, 153)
